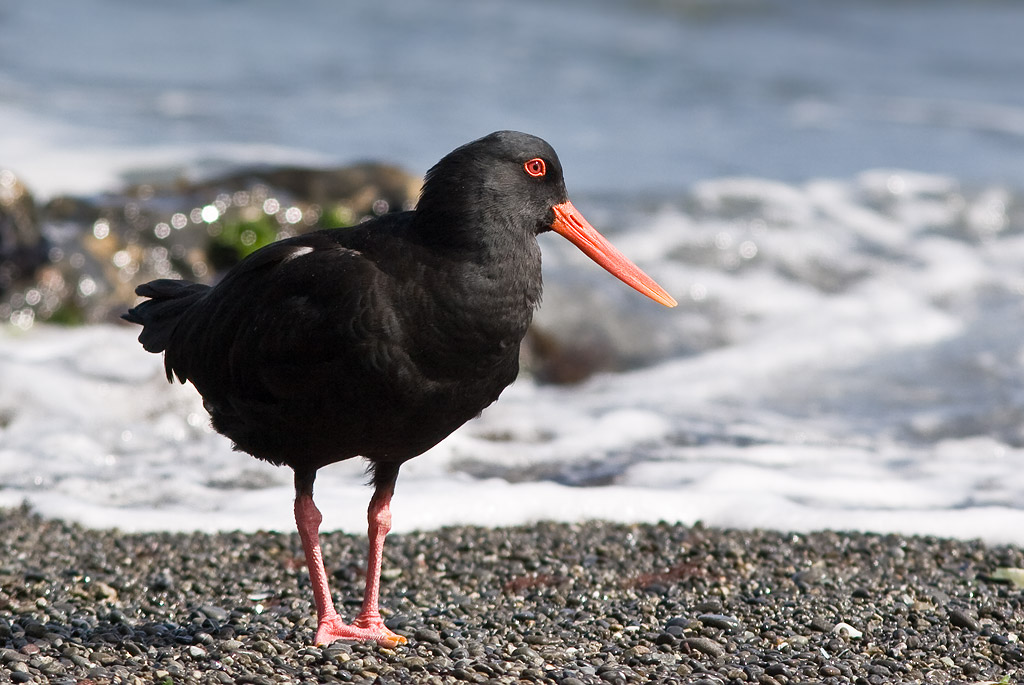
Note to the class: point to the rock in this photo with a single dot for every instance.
(821, 624)
(829, 671)
(427, 635)
(214, 612)
(9, 656)
(608, 633)
(705, 645)
(1013, 576)
(230, 646)
(79, 259)
(962, 619)
(22, 247)
(719, 621)
(711, 606)
(846, 630)
(613, 677)
(362, 187)
(103, 591)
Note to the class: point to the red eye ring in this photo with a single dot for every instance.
(536, 167)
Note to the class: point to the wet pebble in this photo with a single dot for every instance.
(214, 612)
(562, 603)
(962, 619)
(705, 645)
(427, 635)
(719, 621)
(822, 625)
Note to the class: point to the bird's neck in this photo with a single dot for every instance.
(493, 271)
(481, 234)
(501, 278)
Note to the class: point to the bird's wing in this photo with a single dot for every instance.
(291, 315)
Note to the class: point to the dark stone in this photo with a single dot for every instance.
(214, 612)
(273, 646)
(364, 188)
(719, 621)
(613, 677)
(822, 625)
(114, 242)
(427, 635)
(961, 619)
(705, 645)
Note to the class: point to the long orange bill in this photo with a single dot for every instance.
(571, 224)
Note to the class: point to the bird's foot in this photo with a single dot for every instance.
(363, 629)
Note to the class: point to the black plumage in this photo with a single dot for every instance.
(380, 339)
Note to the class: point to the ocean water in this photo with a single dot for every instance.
(833, 193)
(639, 96)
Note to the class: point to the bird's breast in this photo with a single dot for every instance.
(462, 333)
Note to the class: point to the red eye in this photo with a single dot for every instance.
(536, 167)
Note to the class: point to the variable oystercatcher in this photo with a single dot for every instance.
(376, 340)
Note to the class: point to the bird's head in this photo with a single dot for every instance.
(510, 183)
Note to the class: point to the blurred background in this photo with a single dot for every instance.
(833, 191)
(637, 96)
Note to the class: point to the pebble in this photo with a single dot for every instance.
(751, 618)
(705, 645)
(846, 630)
(962, 619)
(214, 612)
(427, 635)
(820, 624)
(719, 621)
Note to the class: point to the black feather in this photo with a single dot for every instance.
(159, 315)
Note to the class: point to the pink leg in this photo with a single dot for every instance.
(378, 518)
(368, 625)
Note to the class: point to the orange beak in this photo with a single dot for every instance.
(571, 224)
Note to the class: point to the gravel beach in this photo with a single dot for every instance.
(553, 603)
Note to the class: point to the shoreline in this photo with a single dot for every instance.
(563, 603)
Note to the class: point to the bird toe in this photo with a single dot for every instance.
(333, 628)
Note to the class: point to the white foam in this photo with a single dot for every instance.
(53, 157)
(864, 372)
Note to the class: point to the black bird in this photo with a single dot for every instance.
(376, 340)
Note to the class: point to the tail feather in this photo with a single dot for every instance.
(159, 315)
